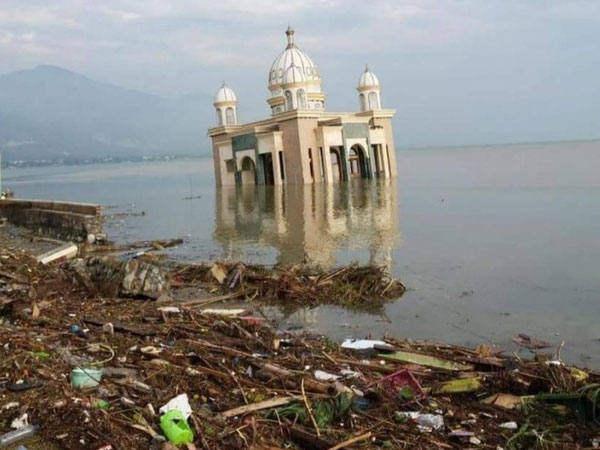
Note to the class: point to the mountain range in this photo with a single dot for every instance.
(49, 113)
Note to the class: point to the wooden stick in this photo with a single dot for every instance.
(199, 302)
(362, 437)
(258, 406)
(310, 414)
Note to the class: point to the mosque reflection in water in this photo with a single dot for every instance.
(310, 223)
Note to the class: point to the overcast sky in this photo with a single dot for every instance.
(457, 71)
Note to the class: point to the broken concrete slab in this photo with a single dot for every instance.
(143, 278)
(112, 277)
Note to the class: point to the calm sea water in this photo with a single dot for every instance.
(491, 241)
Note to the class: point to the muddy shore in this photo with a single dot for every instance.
(249, 384)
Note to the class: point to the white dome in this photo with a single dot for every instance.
(225, 94)
(368, 79)
(292, 57)
(294, 75)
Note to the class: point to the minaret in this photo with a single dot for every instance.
(369, 91)
(226, 106)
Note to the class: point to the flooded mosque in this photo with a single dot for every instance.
(301, 142)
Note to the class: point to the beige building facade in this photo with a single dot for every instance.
(301, 142)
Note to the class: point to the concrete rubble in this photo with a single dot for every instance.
(113, 277)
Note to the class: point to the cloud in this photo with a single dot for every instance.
(437, 54)
(36, 17)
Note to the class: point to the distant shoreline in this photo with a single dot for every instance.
(154, 158)
(507, 144)
(91, 161)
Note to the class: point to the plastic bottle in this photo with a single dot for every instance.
(18, 435)
(176, 428)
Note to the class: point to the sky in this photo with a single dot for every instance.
(458, 72)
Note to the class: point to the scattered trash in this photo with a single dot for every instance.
(176, 428)
(458, 386)
(127, 402)
(433, 421)
(325, 376)
(101, 404)
(401, 385)
(507, 401)
(426, 360)
(179, 403)
(173, 421)
(20, 422)
(224, 312)
(61, 253)
(509, 425)
(85, 377)
(361, 344)
(10, 405)
(151, 350)
(18, 435)
(460, 434)
(219, 271)
(169, 309)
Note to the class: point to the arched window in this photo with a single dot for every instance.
(219, 117)
(301, 99)
(289, 104)
(373, 101)
(363, 105)
(230, 116)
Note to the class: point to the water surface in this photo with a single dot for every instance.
(491, 241)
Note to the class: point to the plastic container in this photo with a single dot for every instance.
(18, 435)
(176, 428)
(85, 377)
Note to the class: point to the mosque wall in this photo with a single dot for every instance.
(389, 146)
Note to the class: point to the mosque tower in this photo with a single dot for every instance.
(294, 80)
(369, 91)
(226, 105)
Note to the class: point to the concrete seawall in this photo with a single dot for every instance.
(63, 220)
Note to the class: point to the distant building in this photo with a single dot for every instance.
(302, 142)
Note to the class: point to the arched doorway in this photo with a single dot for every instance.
(357, 162)
(248, 175)
(336, 165)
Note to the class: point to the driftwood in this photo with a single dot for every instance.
(273, 403)
(354, 440)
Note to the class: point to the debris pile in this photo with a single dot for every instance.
(353, 286)
(82, 370)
